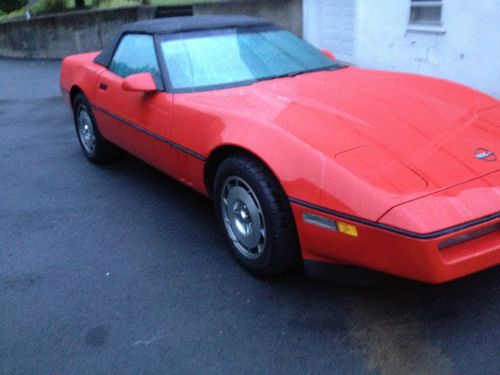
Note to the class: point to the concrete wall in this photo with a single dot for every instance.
(60, 35)
(285, 13)
(64, 34)
(466, 49)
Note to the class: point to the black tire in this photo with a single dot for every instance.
(276, 251)
(102, 151)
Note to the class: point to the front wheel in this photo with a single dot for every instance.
(255, 216)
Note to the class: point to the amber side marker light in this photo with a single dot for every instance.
(348, 229)
(468, 236)
(336, 226)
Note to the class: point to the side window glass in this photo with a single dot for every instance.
(135, 54)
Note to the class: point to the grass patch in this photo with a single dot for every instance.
(113, 4)
(54, 6)
(181, 2)
(109, 4)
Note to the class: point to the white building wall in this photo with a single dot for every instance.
(330, 24)
(467, 50)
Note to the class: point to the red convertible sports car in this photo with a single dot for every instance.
(306, 160)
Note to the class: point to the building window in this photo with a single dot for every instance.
(426, 12)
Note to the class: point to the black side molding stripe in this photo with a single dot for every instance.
(404, 232)
(150, 133)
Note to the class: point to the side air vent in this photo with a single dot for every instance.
(468, 236)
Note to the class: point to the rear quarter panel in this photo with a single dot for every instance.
(80, 71)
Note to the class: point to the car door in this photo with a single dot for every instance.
(138, 122)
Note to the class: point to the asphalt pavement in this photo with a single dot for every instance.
(118, 269)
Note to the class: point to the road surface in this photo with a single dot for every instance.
(119, 269)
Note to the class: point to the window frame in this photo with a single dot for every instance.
(168, 83)
(163, 83)
(434, 27)
(159, 81)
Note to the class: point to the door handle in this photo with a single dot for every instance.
(103, 86)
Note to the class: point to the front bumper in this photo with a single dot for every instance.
(399, 254)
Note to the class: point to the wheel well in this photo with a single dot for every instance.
(218, 156)
(74, 91)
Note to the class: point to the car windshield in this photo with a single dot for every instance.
(230, 57)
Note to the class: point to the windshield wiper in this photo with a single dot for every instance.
(285, 75)
(299, 72)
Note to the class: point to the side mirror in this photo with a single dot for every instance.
(329, 54)
(142, 82)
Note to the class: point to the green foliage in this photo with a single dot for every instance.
(49, 6)
(10, 9)
(107, 4)
(182, 2)
(55, 5)
(42, 6)
(8, 6)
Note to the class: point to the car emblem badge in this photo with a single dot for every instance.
(485, 154)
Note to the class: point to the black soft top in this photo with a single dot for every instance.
(173, 25)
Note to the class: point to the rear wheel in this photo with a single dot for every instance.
(94, 146)
(255, 216)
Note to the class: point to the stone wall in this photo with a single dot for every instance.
(59, 35)
(56, 36)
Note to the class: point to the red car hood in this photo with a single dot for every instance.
(368, 120)
(402, 136)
